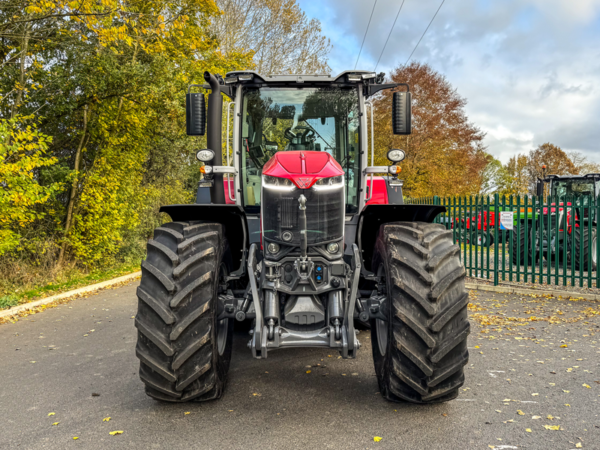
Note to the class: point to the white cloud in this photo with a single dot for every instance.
(530, 69)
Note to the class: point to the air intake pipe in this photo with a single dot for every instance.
(213, 139)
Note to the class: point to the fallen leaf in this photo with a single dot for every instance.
(498, 411)
(377, 438)
(506, 400)
(578, 445)
(566, 404)
(586, 385)
(536, 417)
(566, 391)
(308, 371)
(114, 433)
(564, 346)
(535, 394)
(521, 413)
(106, 419)
(75, 438)
(552, 427)
(55, 423)
(186, 413)
(51, 414)
(528, 430)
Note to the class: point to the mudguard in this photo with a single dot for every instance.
(233, 219)
(373, 216)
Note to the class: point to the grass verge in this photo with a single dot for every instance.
(75, 281)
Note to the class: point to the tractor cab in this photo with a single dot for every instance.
(585, 186)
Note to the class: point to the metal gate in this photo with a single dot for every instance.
(549, 240)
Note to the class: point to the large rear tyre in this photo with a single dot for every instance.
(184, 351)
(518, 247)
(421, 350)
(582, 252)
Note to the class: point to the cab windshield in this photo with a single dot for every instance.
(576, 188)
(282, 119)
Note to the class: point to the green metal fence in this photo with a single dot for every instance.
(552, 240)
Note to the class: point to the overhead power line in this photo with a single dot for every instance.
(365, 36)
(432, 19)
(388, 38)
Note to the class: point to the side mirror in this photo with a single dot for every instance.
(401, 113)
(195, 114)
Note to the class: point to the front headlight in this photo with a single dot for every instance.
(329, 183)
(281, 184)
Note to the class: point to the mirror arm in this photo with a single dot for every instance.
(372, 89)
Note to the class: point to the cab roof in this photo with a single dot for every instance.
(300, 78)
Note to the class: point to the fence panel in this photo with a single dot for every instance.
(545, 240)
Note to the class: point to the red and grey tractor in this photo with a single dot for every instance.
(297, 235)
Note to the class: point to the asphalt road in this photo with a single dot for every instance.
(56, 361)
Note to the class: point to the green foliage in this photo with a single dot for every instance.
(8, 301)
(23, 151)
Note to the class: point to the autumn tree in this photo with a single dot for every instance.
(282, 38)
(445, 154)
(495, 178)
(106, 81)
(518, 182)
(557, 162)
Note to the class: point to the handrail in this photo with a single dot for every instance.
(227, 107)
(370, 189)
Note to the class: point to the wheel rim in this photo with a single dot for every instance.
(222, 325)
(381, 326)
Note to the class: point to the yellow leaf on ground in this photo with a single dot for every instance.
(550, 417)
(586, 385)
(521, 413)
(55, 423)
(566, 404)
(51, 414)
(536, 417)
(535, 394)
(564, 346)
(578, 445)
(186, 413)
(528, 430)
(106, 419)
(114, 433)
(377, 438)
(308, 371)
(75, 438)
(552, 427)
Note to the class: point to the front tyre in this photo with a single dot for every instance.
(184, 351)
(421, 350)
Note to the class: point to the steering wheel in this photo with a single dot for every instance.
(308, 135)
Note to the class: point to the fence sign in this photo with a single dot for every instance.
(506, 220)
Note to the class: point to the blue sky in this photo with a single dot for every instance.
(529, 69)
